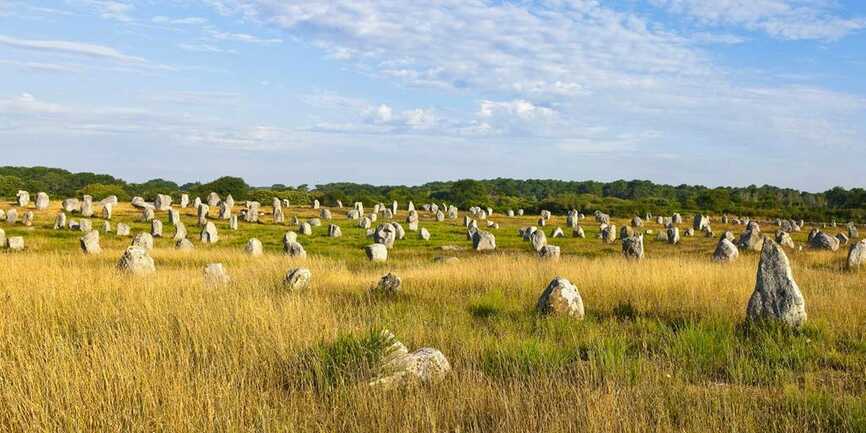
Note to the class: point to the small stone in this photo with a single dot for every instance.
(297, 279)
(215, 275)
(254, 247)
(389, 284)
(135, 260)
(561, 298)
(90, 243)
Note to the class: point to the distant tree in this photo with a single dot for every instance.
(100, 191)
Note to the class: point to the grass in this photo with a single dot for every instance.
(663, 346)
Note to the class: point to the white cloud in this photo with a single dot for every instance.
(71, 47)
(179, 21)
(205, 48)
(245, 38)
(784, 19)
(109, 9)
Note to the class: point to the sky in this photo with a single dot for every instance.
(710, 92)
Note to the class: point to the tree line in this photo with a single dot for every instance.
(620, 198)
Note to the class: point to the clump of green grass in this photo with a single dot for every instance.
(347, 360)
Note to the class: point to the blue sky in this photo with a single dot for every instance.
(712, 92)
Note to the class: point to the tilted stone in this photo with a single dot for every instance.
(561, 298)
(297, 279)
(776, 294)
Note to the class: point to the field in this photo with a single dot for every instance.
(663, 347)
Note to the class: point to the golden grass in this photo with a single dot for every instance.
(86, 349)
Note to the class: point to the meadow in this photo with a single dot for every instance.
(664, 345)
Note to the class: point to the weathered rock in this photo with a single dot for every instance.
(2, 238)
(107, 211)
(557, 233)
(85, 226)
(376, 252)
(305, 229)
(254, 247)
(12, 216)
(700, 222)
(106, 226)
(15, 243)
(725, 251)
(162, 202)
(823, 241)
(42, 201)
(325, 214)
(213, 199)
(202, 211)
(784, 239)
(147, 215)
(233, 223)
(60, 221)
(632, 247)
(842, 237)
(751, 240)
(538, 240)
(215, 275)
(334, 231)
(184, 201)
(23, 198)
(561, 298)
(578, 233)
(135, 260)
(209, 234)
(608, 234)
(123, 229)
(90, 243)
(294, 249)
(673, 235)
(297, 279)
(401, 368)
(28, 219)
(87, 206)
(184, 245)
(142, 240)
(857, 255)
(483, 241)
(636, 222)
(776, 295)
(549, 252)
(71, 205)
(424, 234)
(389, 284)
(156, 228)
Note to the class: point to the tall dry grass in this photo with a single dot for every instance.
(85, 349)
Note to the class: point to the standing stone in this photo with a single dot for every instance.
(726, 251)
(71, 205)
(106, 227)
(549, 252)
(156, 228)
(202, 212)
(632, 247)
(230, 201)
(385, 235)
(424, 235)
(636, 222)
(252, 212)
(123, 229)
(842, 237)
(608, 234)
(857, 255)
(294, 249)
(823, 241)
(561, 298)
(700, 222)
(578, 233)
(42, 201)
(85, 226)
(107, 211)
(233, 222)
(162, 202)
(334, 231)
(15, 243)
(2, 238)
(136, 261)
(28, 219)
(148, 214)
(389, 285)
(184, 200)
(196, 203)
(557, 233)
(776, 294)
(673, 235)
(784, 239)
(173, 216)
(60, 221)
(316, 204)
(23, 198)
(87, 206)
(180, 231)
(215, 275)
(142, 240)
(483, 241)
(305, 229)
(183, 245)
(538, 240)
(325, 214)
(225, 212)
(297, 279)
(12, 216)
(751, 240)
(213, 199)
(376, 252)
(254, 247)
(209, 234)
(90, 243)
